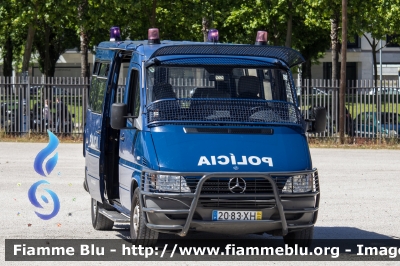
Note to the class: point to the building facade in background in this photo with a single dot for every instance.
(360, 62)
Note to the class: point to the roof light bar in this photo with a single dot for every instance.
(262, 37)
(213, 35)
(115, 34)
(153, 36)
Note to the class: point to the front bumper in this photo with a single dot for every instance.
(177, 213)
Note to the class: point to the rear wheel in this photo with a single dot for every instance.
(140, 233)
(302, 238)
(99, 221)
(85, 185)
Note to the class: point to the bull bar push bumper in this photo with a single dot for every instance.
(182, 230)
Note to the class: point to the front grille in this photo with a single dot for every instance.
(316, 182)
(246, 203)
(227, 185)
(145, 162)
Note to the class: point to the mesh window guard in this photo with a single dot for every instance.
(289, 56)
(230, 111)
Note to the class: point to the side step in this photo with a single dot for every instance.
(114, 216)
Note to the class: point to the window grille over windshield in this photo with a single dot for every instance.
(289, 56)
(220, 94)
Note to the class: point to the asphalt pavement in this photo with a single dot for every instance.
(360, 197)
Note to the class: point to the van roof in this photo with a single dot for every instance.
(289, 56)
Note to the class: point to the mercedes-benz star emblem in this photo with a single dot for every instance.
(237, 185)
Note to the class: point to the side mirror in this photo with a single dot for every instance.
(118, 115)
(318, 124)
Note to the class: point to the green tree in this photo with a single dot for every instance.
(11, 36)
(26, 17)
(321, 12)
(54, 33)
(249, 16)
(95, 18)
(312, 42)
(50, 42)
(6, 40)
(285, 21)
(327, 14)
(380, 18)
(23, 21)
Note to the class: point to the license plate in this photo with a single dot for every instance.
(236, 215)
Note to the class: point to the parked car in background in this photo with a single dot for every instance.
(385, 91)
(34, 90)
(332, 125)
(314, 91)
(57, 125)
(10, 115)
(66, 126)
(6, 117)
(390, 121)
(5, 108)
(49, 91)
(368, 125)
(60, 91)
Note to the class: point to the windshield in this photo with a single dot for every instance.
(219, 94)
(218, 82)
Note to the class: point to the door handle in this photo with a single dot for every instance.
(98, 132)
(122, 138)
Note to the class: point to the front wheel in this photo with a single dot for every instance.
(99, 221)
(302, 238)
(85, 184)
(140, 233)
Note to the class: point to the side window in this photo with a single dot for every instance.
(98, 86)
(123, 71)
(267, 84)
(104, 68)
(134, 94)
(280, 85)
(287, 84)
(92, 92)
(96, 68)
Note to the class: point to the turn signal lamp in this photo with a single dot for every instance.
(153, 36)
(213, 35)
(115, 34)
(261, 38)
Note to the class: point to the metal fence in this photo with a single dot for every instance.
(371, 111)
(36, 104)
(33, 105)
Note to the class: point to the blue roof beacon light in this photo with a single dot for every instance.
(115, 34)
(212, 35)
(153, 36)
(261, 38)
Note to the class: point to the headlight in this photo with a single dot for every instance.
(165, 183)
(298, 184)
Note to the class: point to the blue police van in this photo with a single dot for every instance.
(190, 136)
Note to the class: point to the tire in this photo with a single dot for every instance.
(140, 233)
(302, 238)
(99, 221)
(85, 185)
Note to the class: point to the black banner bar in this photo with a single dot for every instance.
(201, 250)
